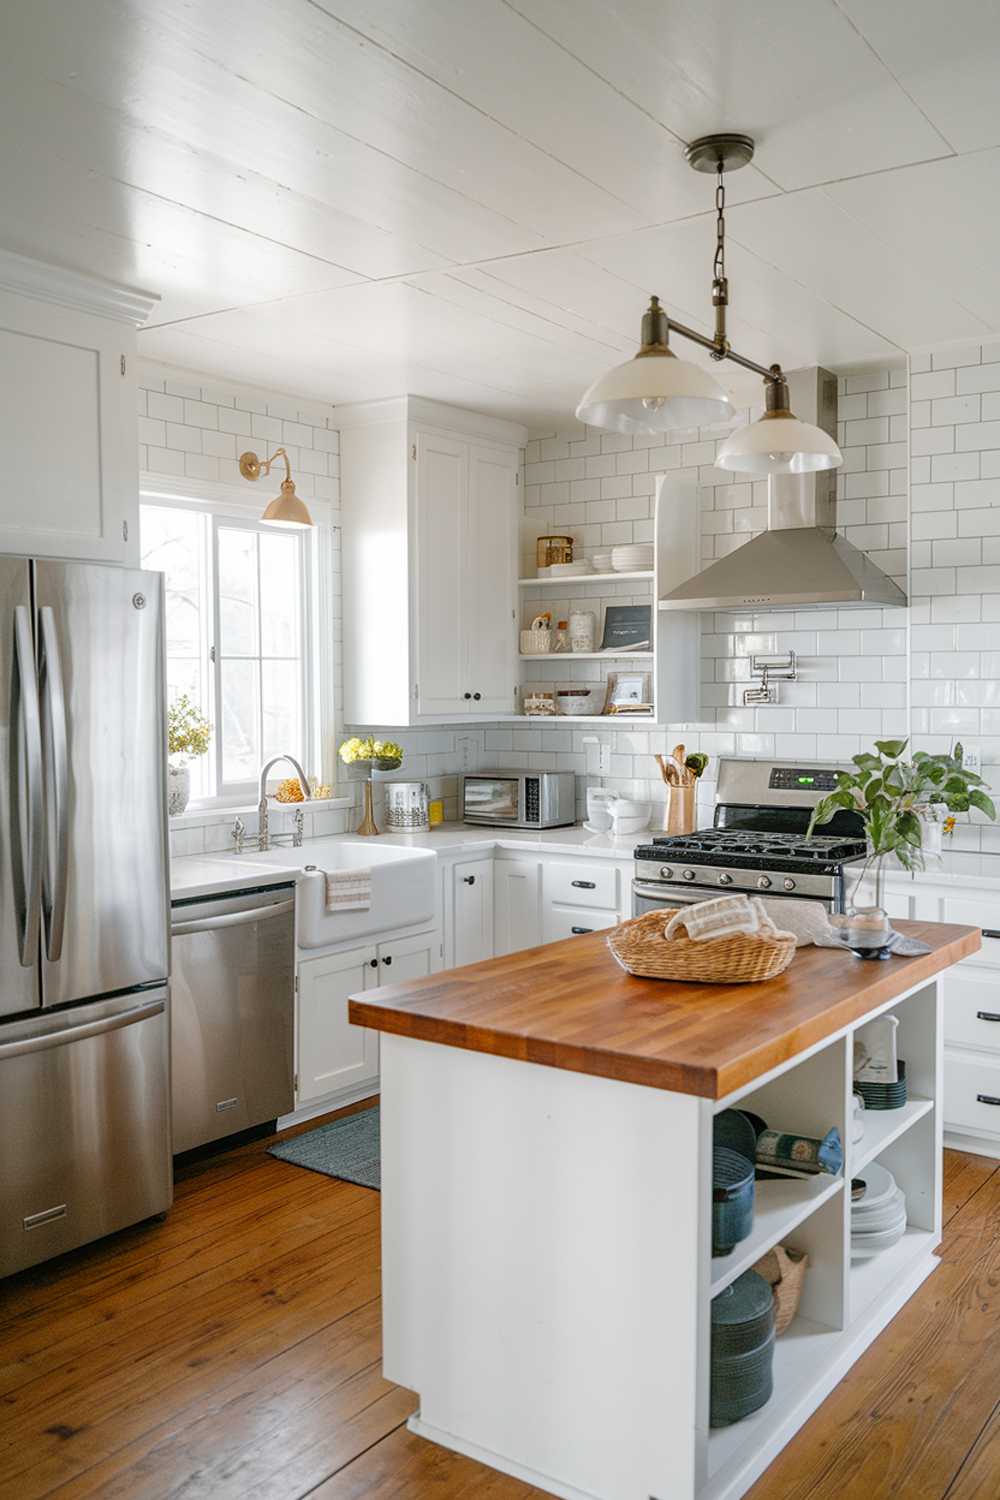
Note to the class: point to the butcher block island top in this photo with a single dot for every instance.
(570, 1005)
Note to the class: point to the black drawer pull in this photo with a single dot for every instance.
(585, 885)
(992, 932)
(988, 1099)
(987, 1015)
(578, 930)
(469, 879)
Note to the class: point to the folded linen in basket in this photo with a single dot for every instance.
(722, 917)
(348, 890)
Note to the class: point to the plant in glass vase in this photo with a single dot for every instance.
(894, 797)
(188, 734)
(377, 755)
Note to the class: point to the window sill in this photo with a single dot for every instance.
(204, 817)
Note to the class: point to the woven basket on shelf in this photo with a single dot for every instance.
(784, 1270)
(641, 948)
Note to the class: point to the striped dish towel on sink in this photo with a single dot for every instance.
(348, 890)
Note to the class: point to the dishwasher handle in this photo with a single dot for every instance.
(232, 919)
(47, 1039)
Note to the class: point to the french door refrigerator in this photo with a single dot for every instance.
(84, 1040)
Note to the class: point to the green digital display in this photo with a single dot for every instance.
(806, 780)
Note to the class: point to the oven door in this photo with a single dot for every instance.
(492, 799)
(651, 895)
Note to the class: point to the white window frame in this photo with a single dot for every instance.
(221, 503)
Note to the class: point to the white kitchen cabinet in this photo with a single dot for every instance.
(517, 909)
(68, 394)
(560, 922)
(472, 911)
(333, 1054)
(430, 499)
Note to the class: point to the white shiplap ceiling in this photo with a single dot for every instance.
(471, 199)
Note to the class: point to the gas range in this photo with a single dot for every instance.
(758, 841)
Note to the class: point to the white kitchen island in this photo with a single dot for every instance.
(546, 1177)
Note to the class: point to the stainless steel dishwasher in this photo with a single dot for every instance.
(233, 1007)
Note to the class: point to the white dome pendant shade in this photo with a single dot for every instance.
(778, 443)
(654, 391)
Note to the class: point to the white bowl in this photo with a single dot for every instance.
(627, 825)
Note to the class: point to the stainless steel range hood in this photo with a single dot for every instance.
(800, 559)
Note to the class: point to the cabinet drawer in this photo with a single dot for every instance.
(972, 1007)
(572, 921)
(973, 911)
(585, 884)
(969, 1086)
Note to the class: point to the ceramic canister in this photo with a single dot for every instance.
(581, 630)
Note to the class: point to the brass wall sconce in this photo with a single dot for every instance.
(285, 509)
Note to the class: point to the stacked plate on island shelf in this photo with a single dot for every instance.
(636, 557)
(878, 1215)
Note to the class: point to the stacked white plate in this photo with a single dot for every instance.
(602, 561)
(637, 557)
(878, 1220)
(570, 570)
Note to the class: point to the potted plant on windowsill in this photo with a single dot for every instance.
(894, 797)
(377, 755)
(188, 734)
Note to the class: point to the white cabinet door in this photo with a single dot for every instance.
(440, 520)
(333, 1054)
(517, 913)
(472, 907)
(67, 392)
(409, 958)
(574, 921)
(489, 580)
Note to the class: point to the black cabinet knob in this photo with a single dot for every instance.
(373, 963)
(469, 879)
(467, 695)
(387, 960)
(477, 696)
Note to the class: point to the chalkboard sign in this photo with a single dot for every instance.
(627, 627)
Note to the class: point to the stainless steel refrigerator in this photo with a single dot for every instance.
(84, 1039)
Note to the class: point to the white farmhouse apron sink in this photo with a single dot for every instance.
(403, 887)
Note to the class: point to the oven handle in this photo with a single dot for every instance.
(668, 895)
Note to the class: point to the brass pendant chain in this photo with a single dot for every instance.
(720, 285)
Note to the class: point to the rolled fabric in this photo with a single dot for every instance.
(723, 916)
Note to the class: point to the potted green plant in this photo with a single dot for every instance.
(188, 734)
(894, 797)
(377, 755)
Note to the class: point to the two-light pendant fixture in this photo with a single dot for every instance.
(657, 392)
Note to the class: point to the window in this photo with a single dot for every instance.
(237, 633)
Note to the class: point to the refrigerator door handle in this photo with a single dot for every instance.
(54, 874)
(45, 1040)
(27, 831)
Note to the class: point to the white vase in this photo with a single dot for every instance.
(178, 788)
(931, 831)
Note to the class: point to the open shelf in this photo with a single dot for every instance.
(586, 656)
(779, 1206)
(575, 578)
(617, 720)
(874, 1276)
(882, 1127)
(802, 1356)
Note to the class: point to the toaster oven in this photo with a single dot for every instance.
(520, 799)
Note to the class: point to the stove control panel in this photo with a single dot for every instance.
(802, 779)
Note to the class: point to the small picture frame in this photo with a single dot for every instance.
(629, 693)
(627, 627)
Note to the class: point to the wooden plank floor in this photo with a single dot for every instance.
(233, 1351)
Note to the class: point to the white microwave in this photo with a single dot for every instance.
(520, 799)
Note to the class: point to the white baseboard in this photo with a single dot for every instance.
(327, 1106)
(979, 1145)
(496, 1461)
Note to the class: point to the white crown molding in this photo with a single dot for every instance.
(76, 289)
(431, 413)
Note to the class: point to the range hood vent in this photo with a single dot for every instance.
(800, 560)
